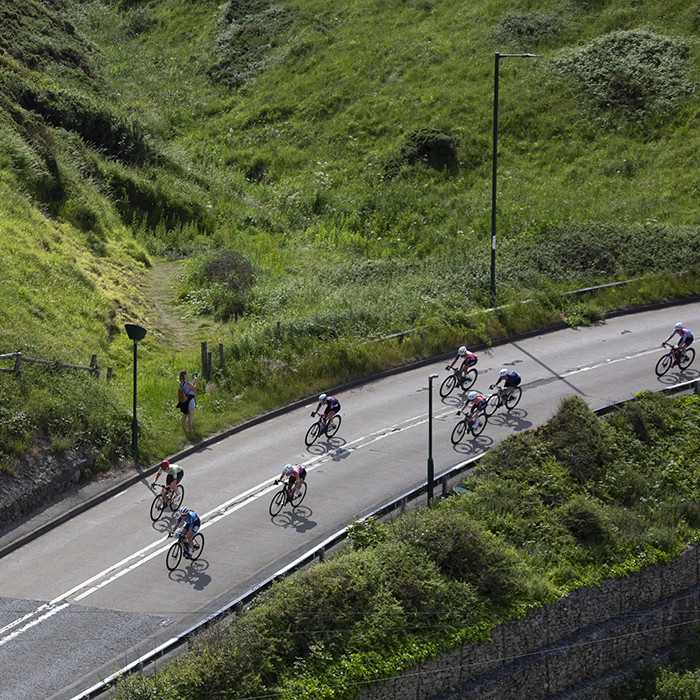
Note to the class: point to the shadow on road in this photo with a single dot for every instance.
(297, 519)
(677, 376)
(513, 419)
(326, 447)
(192, 572)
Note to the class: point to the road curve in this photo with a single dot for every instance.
(88, 597)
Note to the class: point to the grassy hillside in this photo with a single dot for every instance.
(319, 177)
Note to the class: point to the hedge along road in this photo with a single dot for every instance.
(93, 594)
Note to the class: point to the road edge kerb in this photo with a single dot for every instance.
(109, 492)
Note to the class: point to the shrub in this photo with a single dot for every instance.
(578, 439)
(521, 30)
(433, 147)
(630, 72)
(586, 521)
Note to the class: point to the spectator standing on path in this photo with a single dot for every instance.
(186, 399)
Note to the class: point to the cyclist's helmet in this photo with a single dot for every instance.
(184, 510)
(679, 326)
(164, 464)
(288, 469)
(472, 395)
(503, 372)
(321, 398)
(462, 351)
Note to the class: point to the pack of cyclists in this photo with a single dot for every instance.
(188, 521)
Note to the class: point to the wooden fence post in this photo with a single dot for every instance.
(18, 363)
(221, 354)
(204, 358)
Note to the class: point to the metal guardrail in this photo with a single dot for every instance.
(318, 552)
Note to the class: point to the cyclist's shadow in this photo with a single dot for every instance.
(297, 519)
(194, 573)
(677, 375)
(515, 419)
(165, 523)
(473, 445)
(326, 446)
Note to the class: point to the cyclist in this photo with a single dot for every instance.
(685, 340)
(469, 359)
(478, 402)
(296, 474)
(510, 381)
(332, 407)
(174, 474)
(190, 525)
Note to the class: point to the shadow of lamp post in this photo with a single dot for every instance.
(135, 333)
(431, 466)
(495, 152)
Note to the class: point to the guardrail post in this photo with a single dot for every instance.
(322, 554)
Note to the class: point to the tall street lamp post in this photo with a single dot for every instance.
(135, 333)
(495, 152)
(431, 467)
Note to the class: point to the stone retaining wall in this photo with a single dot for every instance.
(40, 480)
(559, 650)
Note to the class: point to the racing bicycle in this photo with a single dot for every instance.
(467, 425)
(670, 359)
(465, 381)
(322, 426)
(495, 401)
(166, 499)
(179, 549)
(287, 494)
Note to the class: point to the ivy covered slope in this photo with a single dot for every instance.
(315, 176)
(576, 501)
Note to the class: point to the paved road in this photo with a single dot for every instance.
(93, 594)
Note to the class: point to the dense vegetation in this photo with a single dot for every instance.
(578, 500)
(318, 176)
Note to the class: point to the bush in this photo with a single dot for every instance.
(586, 521)
(521, 30)
(578, 439)
(433, 147)
(630, 72)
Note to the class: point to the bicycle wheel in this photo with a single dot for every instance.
(299, 496)
(157, 507)
(687, 358)
(447, 386)
(174, 556)
(332, 427)
(663, 365)
(312, 433)
(177, 498)
(278, 501)
(467, 381)
(458, 431)
(483, 419)
(491, 405)
(197, 546)
(513, 399)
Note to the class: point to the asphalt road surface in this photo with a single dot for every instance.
(90, 596)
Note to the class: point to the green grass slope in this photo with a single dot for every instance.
(320, 177)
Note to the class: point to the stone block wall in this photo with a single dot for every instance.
(560, 650)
